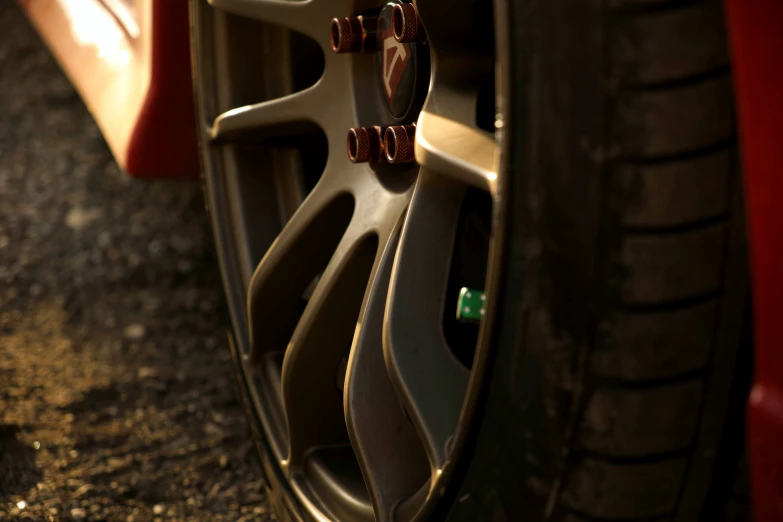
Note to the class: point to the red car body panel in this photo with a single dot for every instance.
(756, 32)
(164, 142)
(130, 62)
(161, 142)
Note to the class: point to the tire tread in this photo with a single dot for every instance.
(672, 162)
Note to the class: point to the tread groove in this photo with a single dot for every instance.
(632, 9)
(677, 229)
(665, 306)
(680, 156)
(687, 81)
(583, 517)
(604, 383)
(640, 459)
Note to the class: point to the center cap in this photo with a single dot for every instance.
(398, 68)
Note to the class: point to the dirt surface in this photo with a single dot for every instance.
(117, 400)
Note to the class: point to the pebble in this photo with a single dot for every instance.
(115, 463)
(145, 372)
(158, 509)
(185, 266)
(154, 247)
(78, 514)
(104, 239)
(82, 491)
(78, 217)
(135, 332)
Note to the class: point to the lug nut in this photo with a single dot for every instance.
(398, 143)
(353, 35)
(365, 144)
(406, 25)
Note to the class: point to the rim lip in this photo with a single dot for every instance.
(238, 336)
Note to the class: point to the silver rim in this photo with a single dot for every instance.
(356, 276)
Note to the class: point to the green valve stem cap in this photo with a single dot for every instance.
(471, 305)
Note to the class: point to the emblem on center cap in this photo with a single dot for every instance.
(397, 66)
(395, 58)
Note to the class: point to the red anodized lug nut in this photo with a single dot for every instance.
(353, 35)
(406, 25)
(398, 143)
(365, 144)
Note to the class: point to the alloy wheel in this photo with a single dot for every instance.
(342, 276)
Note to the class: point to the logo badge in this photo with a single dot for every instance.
(395, 58)
(401, 70)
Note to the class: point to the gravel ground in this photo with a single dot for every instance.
(117, 400)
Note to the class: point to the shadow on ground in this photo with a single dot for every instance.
(18, 471)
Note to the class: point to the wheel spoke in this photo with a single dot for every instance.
(453, 148)
(308, 16)
(448, 138)
(301, 250)
(349, 285)
(280, 114)
(322, 338)
(428, 378)
(371, 405)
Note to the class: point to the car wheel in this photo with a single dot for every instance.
(483, 260)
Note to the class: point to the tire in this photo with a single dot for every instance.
(622, 354)
(612, 375)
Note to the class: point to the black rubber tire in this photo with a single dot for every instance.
(614, 389)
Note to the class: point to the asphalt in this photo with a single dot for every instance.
(117, 398)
